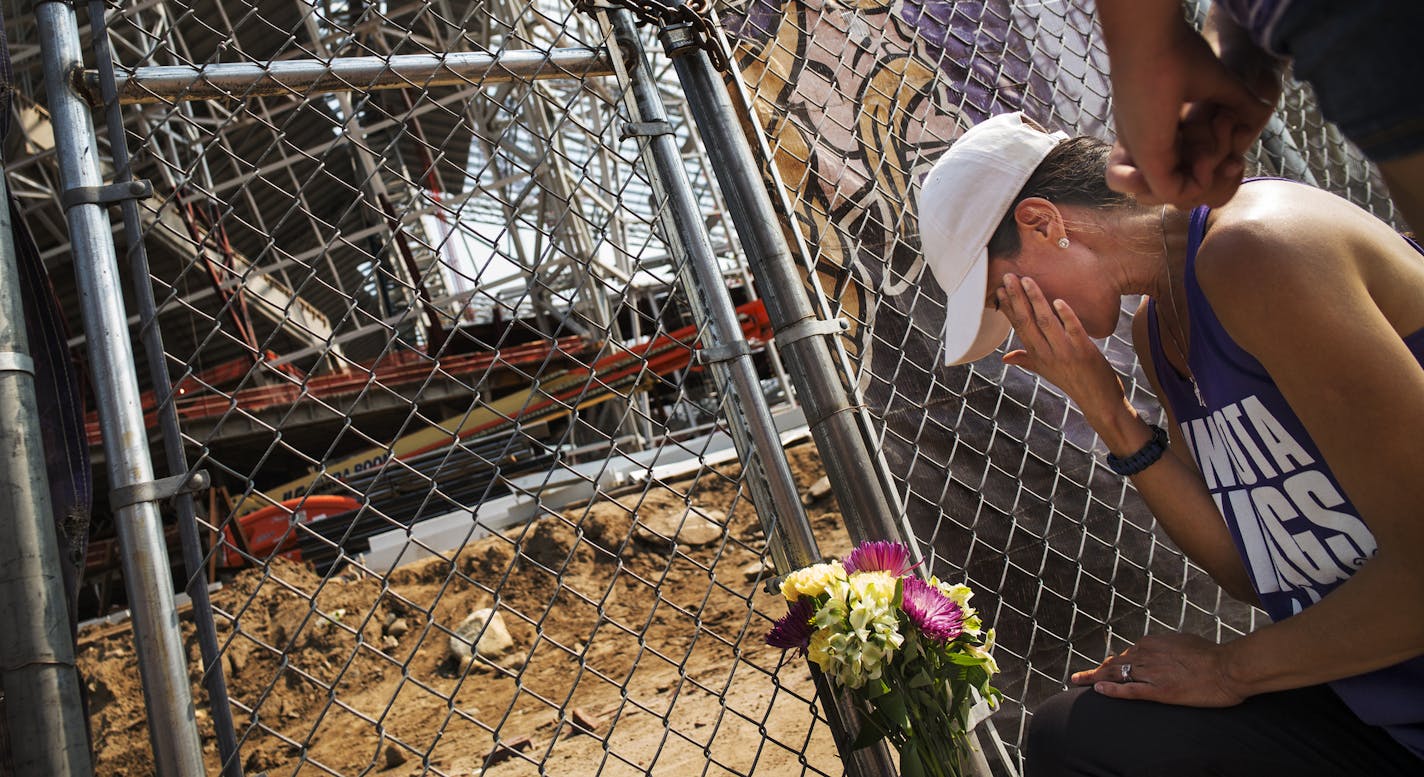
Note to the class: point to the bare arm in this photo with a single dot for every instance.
(1303, 308)
(1175, 492)
(1259, 71)
(1057, 348)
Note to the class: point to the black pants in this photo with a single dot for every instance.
(1297, 733)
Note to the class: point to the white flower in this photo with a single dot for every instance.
(858, 628)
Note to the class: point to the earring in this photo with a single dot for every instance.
(1063, 242)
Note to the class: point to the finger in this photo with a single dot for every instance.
(1124, 175)
(1044, 316)
(1142, 691)
(1151, 168)
(1221, 180)
(1223, 131)
(1106, 670)
(1015, 305)
(1077, 335)
(1206, 143)
(1021, 358)
(1242, 138)
(1004, 303)
(1227, 180)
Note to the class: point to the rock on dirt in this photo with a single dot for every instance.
(818, 490)
(695, 528)
(482, 634)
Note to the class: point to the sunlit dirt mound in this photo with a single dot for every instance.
(632, 653)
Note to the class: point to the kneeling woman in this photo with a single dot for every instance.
(1284, 334)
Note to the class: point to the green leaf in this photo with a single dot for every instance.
(892, 706)
(921, 679)
(869, 735)
(911, 762)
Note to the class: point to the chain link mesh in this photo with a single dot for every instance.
(473, 504)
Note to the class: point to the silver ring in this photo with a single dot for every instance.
(1124, 672)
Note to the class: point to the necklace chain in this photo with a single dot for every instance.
(1176, 312)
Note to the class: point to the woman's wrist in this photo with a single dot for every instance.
(1122, 429)
(1233, 660)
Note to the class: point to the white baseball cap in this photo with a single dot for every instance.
(961, 203)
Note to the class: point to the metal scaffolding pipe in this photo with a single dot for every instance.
(773, 487)
(241, 80)
(162, 664)
(42, 706)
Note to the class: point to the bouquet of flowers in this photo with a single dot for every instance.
(910, 652)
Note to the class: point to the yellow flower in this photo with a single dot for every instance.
(812, 580)
(873, 587)
(819, 649)
(960, 595)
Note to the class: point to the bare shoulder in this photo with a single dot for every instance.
(1279, 249)
(1280, 228)
(1290, 236)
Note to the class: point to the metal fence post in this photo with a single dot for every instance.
(177, 459)
(788, 530)
(868, 503)
(162, 664)
(724, 348)
(866, 494)
(42, 710)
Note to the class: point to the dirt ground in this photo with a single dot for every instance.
(631, 655)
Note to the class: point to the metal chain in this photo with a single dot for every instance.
(695, 14)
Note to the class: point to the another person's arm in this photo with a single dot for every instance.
(1260, 71)
(1184, 118)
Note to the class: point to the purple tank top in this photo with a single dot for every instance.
(1258, 18)
(1295, 529)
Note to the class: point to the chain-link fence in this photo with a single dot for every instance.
(474, 501)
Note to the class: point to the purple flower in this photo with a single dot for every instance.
(794, 628)
(936, 616)
(879, 556)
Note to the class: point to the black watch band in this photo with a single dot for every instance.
(1145, 456)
